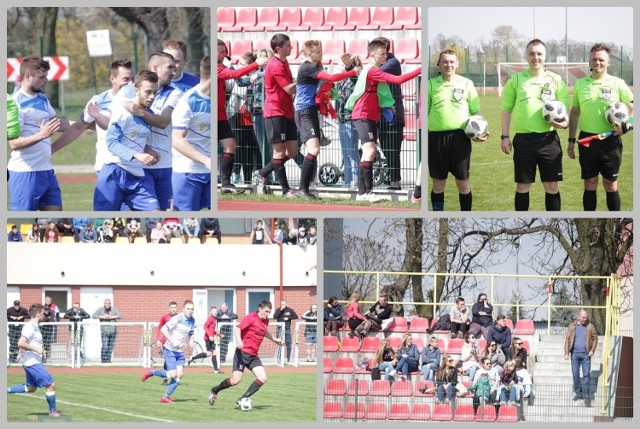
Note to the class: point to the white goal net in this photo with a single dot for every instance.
(570, 72)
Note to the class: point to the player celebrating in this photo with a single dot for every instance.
(248, 337)
(365, 104)
(591, 96)
(310, 74)
(161, 339)
(178, 50)
(178, 332)
(536, 142)
(451, 99)
(37, 375)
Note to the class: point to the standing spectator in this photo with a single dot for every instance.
(47, 330)
(259, 234)
(302, 239)
(255, 106)
(211, 338)
(76, 314)
(172, 228)
(354, 317)
(310, 332)
(106, 234)
(133, 229)
(446, 380)
(157, 235)
(15, 315)
(160, 338)
(51, 233)
(210, 227)
(55, 311)
(409, 357)
(65, 226)
(481, 320)
(518, 351)
(88, 234)
(581, 343)
(346, 129)
(108, 316)
(14, 235)
(34, 234)
(431, 356)
(190, 227)
(459, 315)
(374, 318)
(285, 314)
(225, 316)
(333, 319)
(501, 334)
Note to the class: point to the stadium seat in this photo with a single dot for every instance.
(399, 324)
(262, 44)
(525, 345)
(486, 413)
(418, 343)
(333, 50)
(399, 412)
(327, 365)
(349, 345)
(394, 342)
(332, 410)
(269, 17)
(371, 362)
(289, 17)
(454, 347)
(369, 344)
(405, 16)
(354, 411)
(420, 411)
(482, 344)
(357, 16)
(509, 324)
(381, 16)
(433, 324)
(380, 388)
(226, 18)
(464, 413)
(418, 324)
(421, 384)
(407, 50)
(343, 365)
(295, 57)
(247, 18)
(239, 48)
(359, 47)
(362, 387)
(508, 414)
(330, 344)
(442, 413)
(70, 239)
(227, 43)
(336, 17)
(335, 387)
(524, 327)
(314, 17)
(376, 411)
(402, 388)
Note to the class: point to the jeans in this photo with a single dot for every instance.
(429, 371)
(471, 371)
(265, 147)
(405, 366)
(581, 360)
(440, 391)
(108, 342)
(349, 147)
(513, 393)
(389, 370)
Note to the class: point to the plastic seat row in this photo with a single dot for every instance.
(362, 387)
(419, 411)
(317, 19)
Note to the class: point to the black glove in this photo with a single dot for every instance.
(626, 126)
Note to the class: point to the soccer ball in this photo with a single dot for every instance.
(616, 112)
(554, 111)
(476, 126)
(245, 404)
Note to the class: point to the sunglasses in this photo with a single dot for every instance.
(450, 360)
(519, 344)
(493, 345)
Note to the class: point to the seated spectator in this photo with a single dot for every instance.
(78, 224)
(43, 224)
(519, 352)
(190, 227)
(386, 360)
(302, 239)
(482, 318)
(14, 235)
(501, 334)
(133, 228)
(354, 317)
(88, 233)
(431, 356)
(105, 233)
(333, 319)
(375, 317)
(508, 384)
(312, 235)
(470, 356)
(34, 234)
(459, 315)
(150, 225)
(172, 228)
(524, 382)
(409, 357)
(157, 235)
(210, 227)
(446, 380)
(65, 226)
(51, 233)
(481, 391)
(494, 354)
(118, 225)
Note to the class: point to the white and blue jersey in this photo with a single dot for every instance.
(180, 329)
(104, 100)
(33, 109)
(186, 82)
(193, 114)
(31, 332)
(126, 135)
(160, 141)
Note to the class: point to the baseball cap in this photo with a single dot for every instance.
(16, 302)
(302, 229)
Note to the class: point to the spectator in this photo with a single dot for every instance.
(481, 317)
(494, 354)
(16, 315)
(210, 227)
(523, 380)
(518, 351)
(285, 315)
(76, 314)
(311, 235)
(172, 228)
(310, 332)
(87, 233)
(302, 239)
(501, 334)
(14, 235)
(470, 356)
(157, 235)
(459, 319)
(280, 232)
(431, 356)
(333, 319)
(47, 330)
(133, 228)
(106, 233)
(118, 226)
(508, 384)
(354, 317)
(190, 227)
(65, 226)
(51, 233)
(446, 380)
(78, 224)
(258, 234)
(387, 360)
(378, 312)
(150, 224)
(409, 357)
(108, 315)
(481, 391)
(346, 128)
(56, 313)
(581, 342)
(225, 316)
(43, 224)
(34, 234)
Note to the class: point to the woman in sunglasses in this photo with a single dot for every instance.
(495, 354)
(518, 351)
(446, 380)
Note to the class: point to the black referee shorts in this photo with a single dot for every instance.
(601, 157)
(541, 150)
(449, 152)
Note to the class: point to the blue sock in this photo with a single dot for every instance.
(51, 399)
(18, 388)
(159, 373)
(172, 387)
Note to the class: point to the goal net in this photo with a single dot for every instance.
(570, 72)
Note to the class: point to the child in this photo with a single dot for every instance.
(482, 391)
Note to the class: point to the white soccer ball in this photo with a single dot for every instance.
(616, 112)
(245, 404)
(554, 111)
(476, 126)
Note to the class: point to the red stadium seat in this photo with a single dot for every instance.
(421, 384)
(336, 17)
(418, 324)
(407, 26)
(354, 411)
(399, 412)
(399, 324)
(369, 344)
(349, 345)
(525, 345)
(358, 17)
(402, 388)
(327, 365)
(359, 47)
(405, 16)
(418, 343)
(247, 17)
(295, 57)
(508, 414)
(333, 50)
(332, 410)
(376, 411)
(330, 344)
(226, 18)
(289, 17)
(524, 327)
(335, 387)
(381, 16)
(454, 347)
(362, 387)
(464, 413)
(486, 413)
(343, 365)
(227, 43)
(262, 44)
(312, 16)
(482, 344)
(394, 342)
(380, 388)
(509, 324)
(442, 413)
(406, 50)
(239, 48)
(269, 17)
(420, 411)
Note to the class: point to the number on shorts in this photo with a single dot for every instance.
(371, 136)
(313, 132)
(283, 136)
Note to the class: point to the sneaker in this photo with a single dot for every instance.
(587, 403)
(212, 398)
(166, 400)
(189, 363)
(403, 377)
(231, 189)
(577, 397)
(146, 375)
(165, 382)
(218, 371)
(453, 335)
(257, 179)
(289, 194)
(306, 195)
(55, 413)
(369, 197)
(415, 200)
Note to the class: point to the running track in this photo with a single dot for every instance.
(255, 206)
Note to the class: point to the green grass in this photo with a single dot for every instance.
(277, 198)
(492, 180)
(106, 397)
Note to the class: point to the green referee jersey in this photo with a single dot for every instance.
(524, 95)
(593, 96)
(451, 102)
(13, 120)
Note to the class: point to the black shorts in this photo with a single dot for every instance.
(542, 150)
(242, 360)
(224, 130)
(308, 123)
(449, 152)
(280, 129)
(367, 130)
(601, 157)
(210, 345)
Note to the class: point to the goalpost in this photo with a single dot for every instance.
(570, 72)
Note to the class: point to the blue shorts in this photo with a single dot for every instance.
(38, 376)
(116, 187)
(160, 178)
(192, 191)
(173, 359)
(30, 190)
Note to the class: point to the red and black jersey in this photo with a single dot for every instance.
(164, 319)
(277, 75)
(252, 332)
(225, 73)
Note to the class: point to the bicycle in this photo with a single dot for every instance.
(329, 174)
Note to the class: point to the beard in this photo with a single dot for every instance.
(36, 90)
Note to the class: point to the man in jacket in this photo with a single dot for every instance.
(581, 343)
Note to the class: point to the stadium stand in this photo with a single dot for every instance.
(399, 412)
(422, 384)
(336, 17)
(262, 44)
(269, 17)
(358, 16)
(352, 411)
(358, 47)
(332, 410)
(247, 18)
(486, 413)
(362, 387)
(463, 413)
(524, 327)
(508, 414)
(418, 324)
(420, 411)
(290, 17)
(376, 411)
(380, 388)
(349, 345)
(454, 346)
(442, 413)
(407, 51)
(239, 48)
(330, 344)
(333, 50)
(327, 365)
(313, 18)
(398, 325)
(343, 365)
(402, 388)
(369, 344)
(226, 18)
(381, 16)
(335, 387)
(406, 18)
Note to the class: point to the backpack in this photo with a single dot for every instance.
(443, 324)
(375, 373)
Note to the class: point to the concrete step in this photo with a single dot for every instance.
(546, 357)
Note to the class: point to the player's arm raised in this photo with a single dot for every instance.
(158, 121)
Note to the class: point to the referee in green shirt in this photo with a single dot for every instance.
(451, 100)
(591, 96)
(536, 143)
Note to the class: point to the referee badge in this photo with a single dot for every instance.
(605, 94)
(458, 94)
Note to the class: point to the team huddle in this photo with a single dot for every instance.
(602, 110)
(153, 148)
